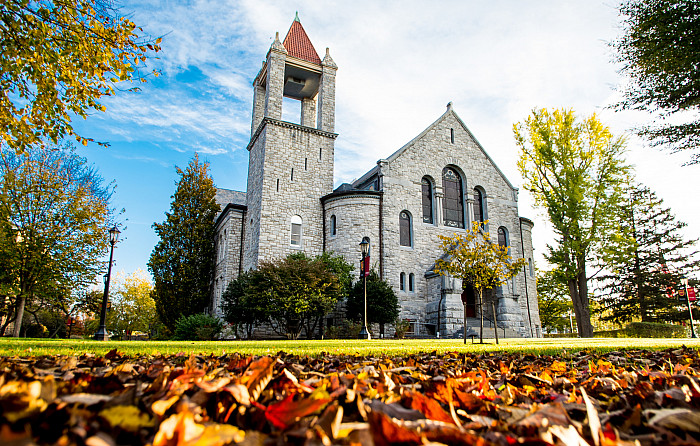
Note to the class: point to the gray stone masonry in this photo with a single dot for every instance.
(357, 216)
(276, 58)
(426, 156)
(326, 96)
(292, 168)
(228, 250)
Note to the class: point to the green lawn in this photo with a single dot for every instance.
(39, 347)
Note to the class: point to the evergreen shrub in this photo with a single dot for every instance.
(198, 327)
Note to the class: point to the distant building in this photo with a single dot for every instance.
(438, 183)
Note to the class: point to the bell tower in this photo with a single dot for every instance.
(290, 164)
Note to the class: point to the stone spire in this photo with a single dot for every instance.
(277, 45)
(328, 60)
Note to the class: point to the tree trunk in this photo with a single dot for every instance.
(19, 314)
(495, 326)
(578, 289)
(481, 317)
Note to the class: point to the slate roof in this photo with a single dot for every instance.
(298, 44)
(228, 196)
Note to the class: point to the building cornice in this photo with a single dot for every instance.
(231, 206)
(289, 125)
(351, 193)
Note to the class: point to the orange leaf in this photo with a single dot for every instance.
(286, 412)
(427, 406)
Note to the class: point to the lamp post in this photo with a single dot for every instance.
(364, 246)
(690, 310)
(101, 334)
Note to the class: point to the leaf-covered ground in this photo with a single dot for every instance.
(625, 397)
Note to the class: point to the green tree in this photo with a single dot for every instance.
(575, 170)
(660, 53)
(647, 264)
(57, 211)
(241, 307)
(182, 263)
(553, 301)
(58, 59)
(342, 270)
(133, 308)
(479, 262)
(382, 302)
(298, 292)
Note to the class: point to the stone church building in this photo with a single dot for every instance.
(436, 184)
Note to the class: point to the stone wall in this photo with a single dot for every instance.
(228, 250)
(401, 176)
(357, 216)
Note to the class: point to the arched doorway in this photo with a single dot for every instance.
(469, 298)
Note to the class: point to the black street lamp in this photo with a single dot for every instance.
(101, 334)
(364, 246)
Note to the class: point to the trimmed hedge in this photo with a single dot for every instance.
(645, 330)
(635, 330)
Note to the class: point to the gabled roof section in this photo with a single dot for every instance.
(228, 196)
(449, 112)
(298, 44)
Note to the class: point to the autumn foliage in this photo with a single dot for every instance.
(455, 398)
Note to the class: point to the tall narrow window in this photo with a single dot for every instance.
(291, 178)
(405, 232)
(296, 231)
(453, 203)
(478, 206)
(411, 280)
(402, 281)
(333, 227)
(278, 184)
(532, 269)
(502, 239)
(427, 188)
(306, 163)
(320, 154)
(452, 136)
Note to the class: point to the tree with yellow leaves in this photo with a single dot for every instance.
(576, 171)
(479, 262)
(58, 59)
(133, 308)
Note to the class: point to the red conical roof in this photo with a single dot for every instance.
(297, 44)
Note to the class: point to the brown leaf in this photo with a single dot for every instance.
(387, 433)
(593, 418)
(257, 376)
(684, 419)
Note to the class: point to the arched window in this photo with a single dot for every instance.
(427, 197)
(411, 282)
(505, 242)
(453, 203)
(478, 206)
(402, 281)
(502, 237)
(405, 229)
(296, 231)
(333, 227)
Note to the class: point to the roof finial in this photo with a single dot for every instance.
(296, 18)
(449, 105)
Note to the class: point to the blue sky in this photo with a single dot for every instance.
(400, 63)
